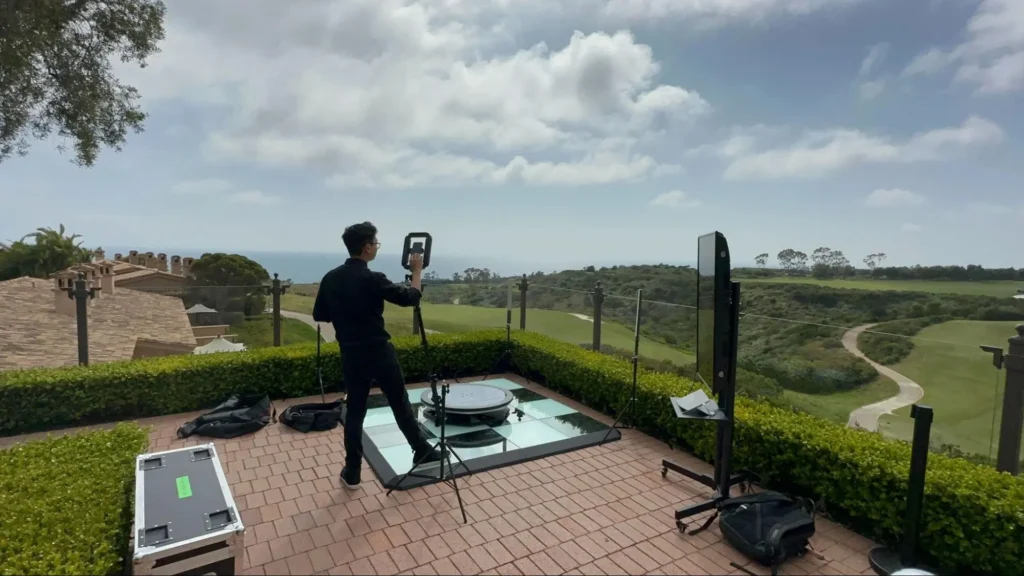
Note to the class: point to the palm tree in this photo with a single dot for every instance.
(49, 252)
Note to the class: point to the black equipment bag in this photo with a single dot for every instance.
(313, 417)
(237, 416)
(768, 527)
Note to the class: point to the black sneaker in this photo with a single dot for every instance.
(350, 477)
(426, 455)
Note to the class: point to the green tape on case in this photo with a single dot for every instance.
(184, 487)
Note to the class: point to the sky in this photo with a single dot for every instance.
(566, 131)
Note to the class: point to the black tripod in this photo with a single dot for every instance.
(636, 360)
(440, 416)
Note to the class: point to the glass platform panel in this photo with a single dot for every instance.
(536, 427)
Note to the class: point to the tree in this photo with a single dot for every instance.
(872, 261)
(50, 251)
(229, 283)
(761, 259)
(786, 258)
(56, 71)
(456, 277)
(800, 262)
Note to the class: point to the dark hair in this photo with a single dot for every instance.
(357, 236)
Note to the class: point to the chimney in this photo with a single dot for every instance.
(106, 281)
(161, 262)
(100, 255)
(133, 257)
(62, 303)
(150, 260)
(94, 280)
(186, 264)
(176, 265)
(90, 277)
(119, 257)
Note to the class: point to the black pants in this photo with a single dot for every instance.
(363, 368)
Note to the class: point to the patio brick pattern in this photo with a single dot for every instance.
(599, 510)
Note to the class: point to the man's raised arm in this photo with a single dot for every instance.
(321, 312)
(396, 293)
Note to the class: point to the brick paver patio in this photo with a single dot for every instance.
(600, 510)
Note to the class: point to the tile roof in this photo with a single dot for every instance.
(145, 272)
(33, 334)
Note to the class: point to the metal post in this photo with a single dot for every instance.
(81, 294)
(275, 292)
(1008, 459)
(598, 301)
(415, 323)
(922, 416)
(888, 561)
(523, 286)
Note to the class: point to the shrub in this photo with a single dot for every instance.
(972, 521)
(66, 502)
(47, 399)
(888, 344)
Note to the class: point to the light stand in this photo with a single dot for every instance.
(636, 359)
(723, 418)
(440, 416)
(886, 561)
(507, 353)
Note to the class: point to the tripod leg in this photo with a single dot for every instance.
(455, 485)
(612, 427)
(402, 478)
(496, 364)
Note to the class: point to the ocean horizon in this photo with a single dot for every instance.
(309, 267)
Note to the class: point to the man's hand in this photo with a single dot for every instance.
(416, 266)
(416, 263)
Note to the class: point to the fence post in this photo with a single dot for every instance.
(277, 287)
(598, 302)
(523, 286)
(1012, 423)
(81, 295)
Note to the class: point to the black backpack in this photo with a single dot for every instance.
(313, 417)
(767, 527)
(236, 416)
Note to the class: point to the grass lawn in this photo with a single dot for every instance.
(560, 325)
(837, 407)
(259, 332)
(959, 382)
(999, 288)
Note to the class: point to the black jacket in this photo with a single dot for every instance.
(351, 297)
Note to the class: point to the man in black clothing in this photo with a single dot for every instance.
(351, 297)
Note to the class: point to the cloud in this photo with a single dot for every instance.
(201, 187)
(876, 55)
(717, 11)
(991, 58)
(391, 93)
(872, 89)
(820, 153)
(675, 199)
(928, 62)
(886, 197)
(911, 228)
(253, 197)
(986, 208)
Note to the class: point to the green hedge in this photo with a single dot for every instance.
(47, 399)
(973, 516)
(66, 502)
